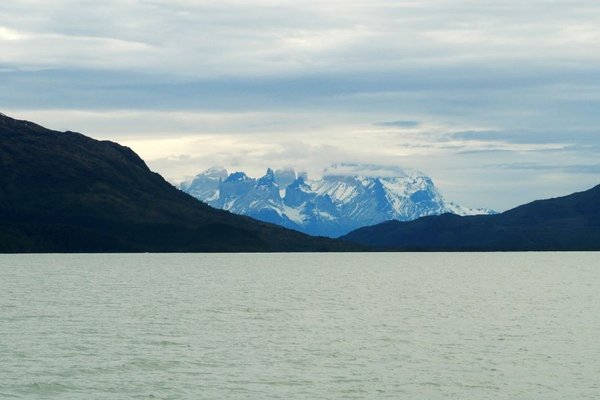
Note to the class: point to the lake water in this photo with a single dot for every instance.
(300, 326)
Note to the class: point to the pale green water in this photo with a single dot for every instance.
(300, 326)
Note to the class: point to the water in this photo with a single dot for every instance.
(300, 326)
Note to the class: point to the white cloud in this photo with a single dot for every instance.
(204, 38)
(10, 34)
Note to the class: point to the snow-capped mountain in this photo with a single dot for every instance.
(206, 186)
(347, 197)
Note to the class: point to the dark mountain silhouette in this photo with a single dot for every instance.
(65, 192)
(565, 223)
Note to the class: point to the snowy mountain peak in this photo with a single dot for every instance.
(297, 193)
(215, 172)
(268, 179)
(238, 177)
(206, 184)
(300, 182)
(348, 196)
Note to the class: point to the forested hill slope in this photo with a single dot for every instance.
(566, 223)
(65, 192)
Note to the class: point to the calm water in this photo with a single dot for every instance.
(300, 326)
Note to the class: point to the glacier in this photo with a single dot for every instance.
(346, 197)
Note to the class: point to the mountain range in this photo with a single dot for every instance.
(565, 223)
(347, 197)
(65, 192)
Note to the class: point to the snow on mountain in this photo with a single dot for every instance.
(205, 186)
(347, 197)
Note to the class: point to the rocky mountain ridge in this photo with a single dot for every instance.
(347, 197)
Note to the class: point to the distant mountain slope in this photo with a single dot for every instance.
(348, 196)
(565, 223)
(65, 192)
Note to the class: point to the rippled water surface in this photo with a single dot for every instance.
(300, 326)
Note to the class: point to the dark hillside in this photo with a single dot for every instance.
(566, 223)
(65, 192)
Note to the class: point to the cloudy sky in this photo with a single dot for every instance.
(499, 102)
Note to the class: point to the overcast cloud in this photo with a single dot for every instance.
(498, 102)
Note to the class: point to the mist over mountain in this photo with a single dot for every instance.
(348, 196)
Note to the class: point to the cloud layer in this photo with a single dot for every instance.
(498, 102)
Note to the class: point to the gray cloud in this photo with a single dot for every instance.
(580, 137)
(455, 83)
(399, 124)
(571, 169)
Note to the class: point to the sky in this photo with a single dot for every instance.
(499, 102)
